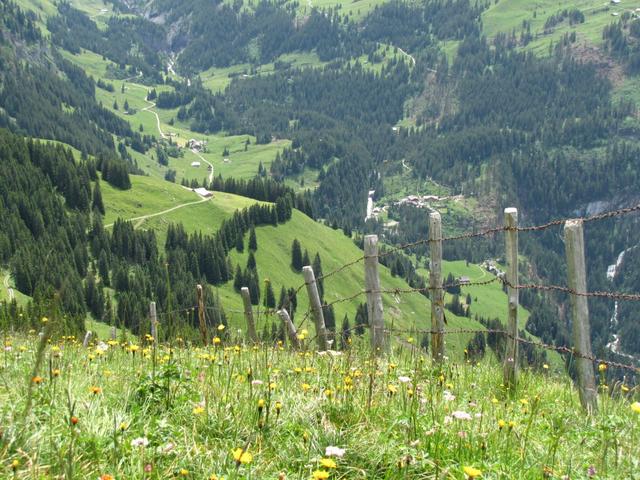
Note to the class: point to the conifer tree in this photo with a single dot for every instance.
(253, 241)
(97, 203)
(251, 261)
(345, 334)
(238, 280)
(269, 300)
(317, 271)
(296, 256)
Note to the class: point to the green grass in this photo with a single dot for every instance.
(146, 196)
(191, 407)
(508, 15)
(205, 217)
(407, 311)
(149, 195)
(217, 79)
(242, 164)
(21, 298)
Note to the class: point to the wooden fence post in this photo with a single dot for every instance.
(510, 372)
(112, 333)
(248, 315)
(316, 306)
(154, 321)
(289, 327)
(87, 338)
(435, 286)
(201, 316)
(374, 297)
(574, 245)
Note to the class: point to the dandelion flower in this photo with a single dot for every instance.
(320, 475)
(334, 452)
(635, 407)
(602, 367)
(37, 380)
(221, 327)
(472, 472)
(392, 389)
(184, 472)
(198, 410)
(15, 464)
(242, 456)
(328, 463)
(95, 390)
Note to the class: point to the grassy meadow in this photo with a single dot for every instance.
(508, 15)
(122, 410)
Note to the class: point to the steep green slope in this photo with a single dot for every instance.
(510, 15)
(149, 196)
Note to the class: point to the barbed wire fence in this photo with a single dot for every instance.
(581, 352)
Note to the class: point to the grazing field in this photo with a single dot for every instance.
(146, 196)
(131, 410)
(508, 15)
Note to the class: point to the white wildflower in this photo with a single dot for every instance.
(460, 415)
(140, 442)
(334, 452)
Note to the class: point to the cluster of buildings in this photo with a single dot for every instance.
(196, 145)
(419, 201)
(490, 266)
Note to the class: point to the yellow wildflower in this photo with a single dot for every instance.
(328, 463)
(198, 410)
(472, 472)
(320, 475)
(242, 456)
(635, 406)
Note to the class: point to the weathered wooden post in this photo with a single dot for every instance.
(113, 333)
(289, 327)
(435, 286)
(248, 315)
(316, 306)
(154, 321)
(374, 296)
(574, 245)
(201, 316)
(87, 338)
(510, 372)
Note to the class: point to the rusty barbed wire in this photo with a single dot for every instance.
(519, 339)
(631, 297)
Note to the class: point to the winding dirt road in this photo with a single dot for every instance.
(139, 220)
(197, 154)
(9, 289)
